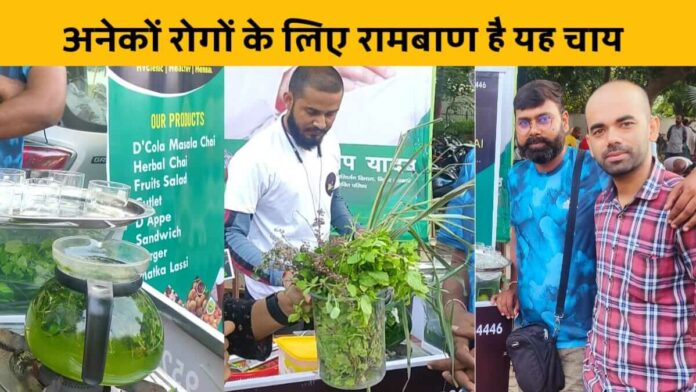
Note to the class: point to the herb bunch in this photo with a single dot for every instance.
(351, 277)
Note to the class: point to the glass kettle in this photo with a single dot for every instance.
(92, 322)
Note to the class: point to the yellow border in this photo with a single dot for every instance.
(655, 33)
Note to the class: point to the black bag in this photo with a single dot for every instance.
(532, 348)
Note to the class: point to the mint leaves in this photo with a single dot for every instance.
(24, 267)
(350, 281)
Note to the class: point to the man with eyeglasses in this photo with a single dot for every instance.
(539, 189)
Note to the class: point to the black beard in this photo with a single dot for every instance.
(545, 154)
(297, 136)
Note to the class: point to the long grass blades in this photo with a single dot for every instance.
(409, 349)
(435, 299)
(379, 199)
(435, 206)
(399, 205)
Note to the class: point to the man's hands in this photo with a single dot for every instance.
(464, 360)
(9, 88)
(681, 203)
(507, 302)
(292, 296)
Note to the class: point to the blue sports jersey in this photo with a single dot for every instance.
(539, 211)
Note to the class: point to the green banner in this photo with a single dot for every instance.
(364, 168)
(165, 141)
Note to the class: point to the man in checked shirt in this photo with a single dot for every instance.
(643, 336)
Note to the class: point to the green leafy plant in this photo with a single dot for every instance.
(351, 278)
(461, 129)
(26, 262)
(24, 267)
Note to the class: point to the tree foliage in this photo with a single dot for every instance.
(451, 83)
(579, 82)
(454, 85)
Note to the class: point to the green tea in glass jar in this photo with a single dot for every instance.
(92, 322)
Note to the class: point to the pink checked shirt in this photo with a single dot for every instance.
(643, 336)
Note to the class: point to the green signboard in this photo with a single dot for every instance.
(165, 141)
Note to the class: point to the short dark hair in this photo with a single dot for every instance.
(536, 92)
(324, 79)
